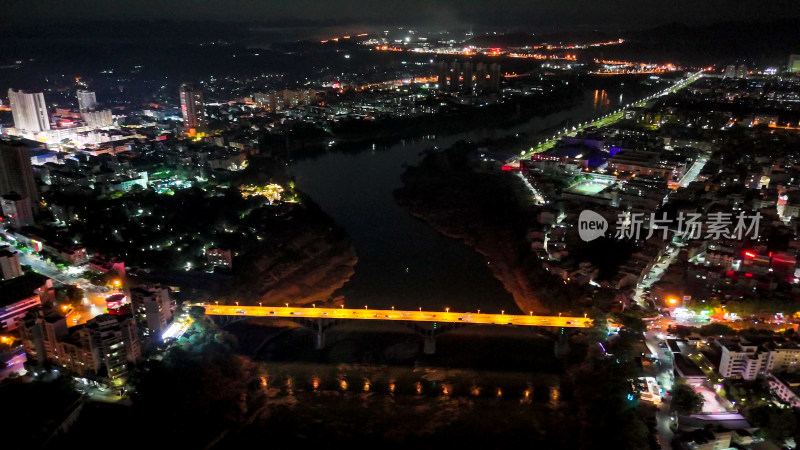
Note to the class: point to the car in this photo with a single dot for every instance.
(569, 322)
(241, 311)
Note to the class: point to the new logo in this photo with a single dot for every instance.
(591, 225)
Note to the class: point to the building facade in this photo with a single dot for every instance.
(16, 170)
(192, 107)
(29, 111)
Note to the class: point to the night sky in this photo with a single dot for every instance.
(520, 14)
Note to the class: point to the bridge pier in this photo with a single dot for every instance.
(429, 343)
(562, 343)
(320, 341)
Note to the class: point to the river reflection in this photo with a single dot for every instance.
(290, 380)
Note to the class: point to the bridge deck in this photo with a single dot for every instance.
(407, 316)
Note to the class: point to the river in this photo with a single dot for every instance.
(402, 261)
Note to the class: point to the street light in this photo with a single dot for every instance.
(447, 309)
(259, 304)
(287, 305)
(237, 303)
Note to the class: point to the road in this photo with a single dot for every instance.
(665, 379)
(693, 172)
(95, 303)
(608, 119)
(390, 314)
(655, 274)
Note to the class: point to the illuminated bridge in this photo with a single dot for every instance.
(426, 323)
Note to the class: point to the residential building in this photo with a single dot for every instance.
(785, 387)
(29, 111)
(16, 170)
(20, 294)
(87, 100)
(192, 107)
(742, 359)
(106, 345)
(219, 257)
(17, 209)
(9, 263)
(152, 308)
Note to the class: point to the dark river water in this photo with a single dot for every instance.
(402, 261)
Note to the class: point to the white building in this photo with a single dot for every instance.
(29, 111)
(100, 118)
(741, 359)
(87, 100)
(785, 388)
(152, 307)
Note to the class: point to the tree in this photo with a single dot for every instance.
(683, 332)
(776, 423)
(74, 295)
(199, 391)
(714, 329)
(685, 400)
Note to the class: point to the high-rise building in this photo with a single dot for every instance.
(108, 342)
(794, 63)
(730, 71)
(481, 77)
(40, 333)
(16, 171)
(29, 111)
(741, 71)
(440, 68)
(87, 101)
(16, 209)
(453, 76)
(192, 107)
(152, 308)
(467, 82)
(494, 77)
(9, 263)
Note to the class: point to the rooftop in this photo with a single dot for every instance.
(20, 288)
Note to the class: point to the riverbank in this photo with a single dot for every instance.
(354, 135)
(484, 211)
(491, 213)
